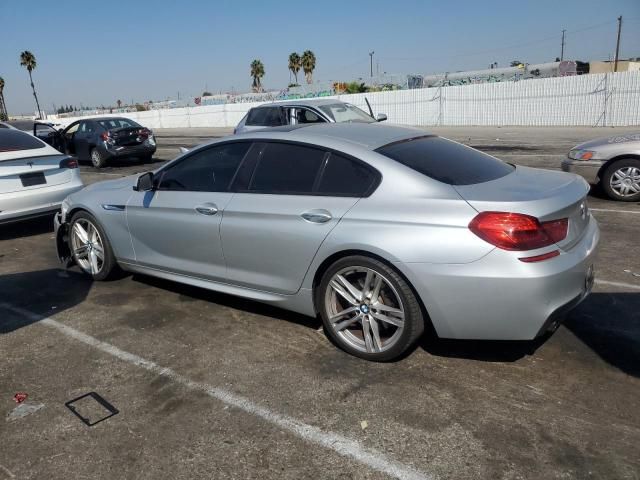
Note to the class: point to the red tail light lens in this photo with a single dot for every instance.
(105, 136)
(69, 163)
(516, 231)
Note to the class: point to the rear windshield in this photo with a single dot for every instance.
(12, 140)
(446, 161)
(118, 123)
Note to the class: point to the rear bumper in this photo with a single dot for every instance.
(500, 298)
(143, 149)
(586, 169)
(18, 206)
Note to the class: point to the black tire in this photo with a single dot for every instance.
(609, 173)
(414, 323)
(146, 158)
(109, 268)
(98, 159)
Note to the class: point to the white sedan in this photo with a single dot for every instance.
(34, 177)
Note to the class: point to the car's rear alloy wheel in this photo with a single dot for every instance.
(97, 159)
(368, 309)
(621, 180)
(90, 247)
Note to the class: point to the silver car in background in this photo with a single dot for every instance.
(34, 177)
(378, 229)
(304, 112)
(612, 162)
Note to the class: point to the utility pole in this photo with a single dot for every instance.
(615, 64)
(562, 47)
(371, 63)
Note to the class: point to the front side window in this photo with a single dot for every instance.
(305, 116)
(266, 117)
(209, 170)
(446, 161)
(287, 168)
(345, 112)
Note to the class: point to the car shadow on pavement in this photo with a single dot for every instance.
(609, 324)
(231, 301)
(481, 350)
(27, 228)
(28, 297)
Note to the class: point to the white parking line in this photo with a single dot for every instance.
(340, 444)
(612, 210)
(618, 284)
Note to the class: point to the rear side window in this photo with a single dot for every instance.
(285, 168)
(209, 170)
(345, 177)
(266, 117)
(446, 161)
(12, 140)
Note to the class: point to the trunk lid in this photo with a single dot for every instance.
(128, 136)
(544, 194)
(30, 173)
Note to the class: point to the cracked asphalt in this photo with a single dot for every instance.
(212, 386)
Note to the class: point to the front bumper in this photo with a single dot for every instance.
(587, 169)
(500, 298)
(61, 230)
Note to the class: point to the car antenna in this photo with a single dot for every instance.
(370, 109)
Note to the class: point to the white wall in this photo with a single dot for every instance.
(589, 100)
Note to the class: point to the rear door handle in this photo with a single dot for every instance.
(207, 209)
(317, 216)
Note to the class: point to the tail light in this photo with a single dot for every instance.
(145, 132)
(69, 163)
(516, 231)
(105, 136)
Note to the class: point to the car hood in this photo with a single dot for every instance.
(110, 185)
(606, 142)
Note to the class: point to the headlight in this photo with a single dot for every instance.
(577, 154)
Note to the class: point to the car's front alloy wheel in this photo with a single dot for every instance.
(90, 247)
(368, 309)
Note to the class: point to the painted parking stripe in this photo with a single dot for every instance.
(340, 444)
(613, 211)
(618, 284)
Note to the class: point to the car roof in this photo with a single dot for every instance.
(367, 135)
(303, 102)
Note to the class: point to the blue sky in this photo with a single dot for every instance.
(97, 52)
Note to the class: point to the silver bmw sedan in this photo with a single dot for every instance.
(378, 229)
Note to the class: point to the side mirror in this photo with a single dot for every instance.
(381, 117)
(145, 182)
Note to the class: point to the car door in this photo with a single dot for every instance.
(82, 139)
(68, 138)
(176, 226)
(280, 215)
(48, 135)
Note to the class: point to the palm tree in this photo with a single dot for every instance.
(28, 60)
(295, 62)
(257, 72)
(3, 106)
(119, 102)
(308, 65)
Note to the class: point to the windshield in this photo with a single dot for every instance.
(446, 161)
(345, 112)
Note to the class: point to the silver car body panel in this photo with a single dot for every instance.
(18, 201)
(259, 246)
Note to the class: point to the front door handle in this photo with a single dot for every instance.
(207, 209)
(317, 216)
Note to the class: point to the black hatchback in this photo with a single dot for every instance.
(100, 139)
